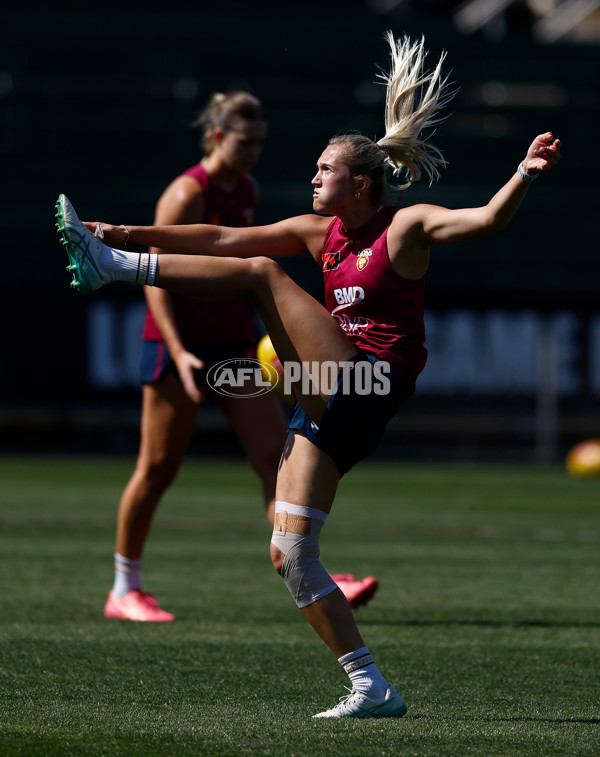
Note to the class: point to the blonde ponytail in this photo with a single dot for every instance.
(414, 98)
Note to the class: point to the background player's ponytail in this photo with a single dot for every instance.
(413, 100)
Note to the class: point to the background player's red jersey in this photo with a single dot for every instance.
(214, 322)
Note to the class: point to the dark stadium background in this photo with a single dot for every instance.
(97, 104)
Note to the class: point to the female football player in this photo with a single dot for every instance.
(375, 261)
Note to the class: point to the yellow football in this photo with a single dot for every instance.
(584, 458)
(272, 369)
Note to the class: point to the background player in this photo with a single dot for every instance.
(183, 337)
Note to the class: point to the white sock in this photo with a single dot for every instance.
(127, 575)
(134, 267)
(364, 674)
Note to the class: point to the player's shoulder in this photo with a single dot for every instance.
(412, 214)
(185, 187)
(183, 198)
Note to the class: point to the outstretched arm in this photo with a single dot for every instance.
(441, 226)
(293, 236)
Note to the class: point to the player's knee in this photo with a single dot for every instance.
(160, 473)
(304, 574)
(261, 266)
(296, 554)
(266, 271)
(277, 558)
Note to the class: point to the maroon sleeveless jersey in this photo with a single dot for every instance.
(380, 311)
(214, 322)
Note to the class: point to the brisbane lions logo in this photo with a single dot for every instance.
(331, 261)
(362, 261)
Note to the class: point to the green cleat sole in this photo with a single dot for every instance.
(86, 275)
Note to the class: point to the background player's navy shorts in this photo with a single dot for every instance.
(353, 424)
(156, 361)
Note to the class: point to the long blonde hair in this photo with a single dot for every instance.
(413, 100)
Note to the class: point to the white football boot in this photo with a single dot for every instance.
(358, 705)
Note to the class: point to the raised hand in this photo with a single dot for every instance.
(543, 154)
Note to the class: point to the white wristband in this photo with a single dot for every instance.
(527, 177)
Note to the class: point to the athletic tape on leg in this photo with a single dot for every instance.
(296, 534)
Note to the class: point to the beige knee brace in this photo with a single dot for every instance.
(296, 534)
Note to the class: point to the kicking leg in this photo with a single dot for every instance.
(301, 329)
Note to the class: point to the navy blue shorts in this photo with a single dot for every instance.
(354, 423)
(156, 361)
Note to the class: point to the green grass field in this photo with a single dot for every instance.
(487, 619)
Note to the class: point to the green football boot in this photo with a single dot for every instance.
(83, 249)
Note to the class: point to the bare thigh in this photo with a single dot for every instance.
(168, 420)
(307, 475)
(300, 327)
